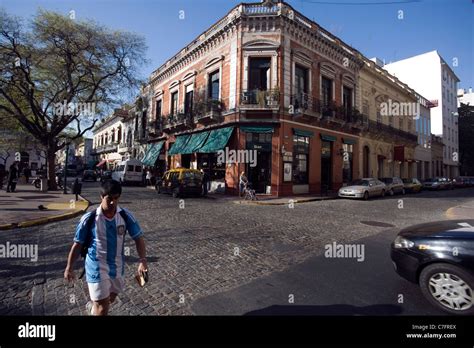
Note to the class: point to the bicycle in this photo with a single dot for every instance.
(249, 193)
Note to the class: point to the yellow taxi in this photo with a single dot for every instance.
(180, 182)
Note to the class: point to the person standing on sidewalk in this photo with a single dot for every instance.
(12, 177)
(148, 177)
(105, 262)
(27, 173)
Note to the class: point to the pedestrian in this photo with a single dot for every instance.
(12, 177)
(243, 181)
(144, 176)
(2, 175)
(27, 174)
(205, 182)
(103, 230)
(148, 177)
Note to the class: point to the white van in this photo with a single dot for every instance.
(129, 172)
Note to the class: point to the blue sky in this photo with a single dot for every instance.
(371, 26)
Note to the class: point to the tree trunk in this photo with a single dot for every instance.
(51, 164)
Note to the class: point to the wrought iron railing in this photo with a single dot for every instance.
(205, 108)
(260, 98)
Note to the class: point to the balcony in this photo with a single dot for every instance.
(208, 111)
(382, 130)
(155, 128)
(106, 148)
(178, 122)
(260, 100)
(124, 148)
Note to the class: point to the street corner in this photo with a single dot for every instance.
(38, 210)
(462, 211)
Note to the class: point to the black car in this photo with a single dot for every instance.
(89, 175)
(439, 256)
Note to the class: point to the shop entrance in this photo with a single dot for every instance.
(259, 173)
(326, 166)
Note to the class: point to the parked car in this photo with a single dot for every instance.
(394, 185)
(462, 181)
(89, 175)
(439, 256)
(363, 188)
(435, 184)
(129, 172)
(412, 185)
(106, 175)
(181, 181)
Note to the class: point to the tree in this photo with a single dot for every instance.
(466, 139)
(61, 73)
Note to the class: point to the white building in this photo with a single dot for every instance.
(465, 97)
(432, 77)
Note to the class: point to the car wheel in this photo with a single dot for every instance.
(390, 192)
(366, 195)
(176, 193)
(449, 288)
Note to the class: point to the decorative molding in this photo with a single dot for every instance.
(213, 61)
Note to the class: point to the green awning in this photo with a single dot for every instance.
(179, 144)
(152, 153)
(196, 142)
(256, 129)
(327, 137)
(349, 141)
(303, 133)
(217, 140)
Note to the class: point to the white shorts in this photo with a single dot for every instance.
(103, 289)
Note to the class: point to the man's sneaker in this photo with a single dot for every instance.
(89, 307)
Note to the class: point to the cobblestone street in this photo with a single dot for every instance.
(209, 246)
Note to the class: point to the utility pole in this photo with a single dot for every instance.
(65, 169)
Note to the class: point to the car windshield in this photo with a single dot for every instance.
(407, 181)
(360, 183)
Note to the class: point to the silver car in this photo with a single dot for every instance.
(363, 188)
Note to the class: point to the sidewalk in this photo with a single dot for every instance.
(20, 208)
(463, 211)
(267, 199)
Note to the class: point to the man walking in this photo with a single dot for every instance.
(105, 230)
(12, 177)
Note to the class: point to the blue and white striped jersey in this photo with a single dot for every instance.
(105, 257)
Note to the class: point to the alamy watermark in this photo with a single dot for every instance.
(348, 251)
(20, 251)
(394, 108)
(227, 156)
(70, 109)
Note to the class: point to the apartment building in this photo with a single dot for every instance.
(431, 76)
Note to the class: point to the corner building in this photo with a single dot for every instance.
(267, 79)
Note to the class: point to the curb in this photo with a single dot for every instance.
(46, 220)
(285, 203)
(457, 212)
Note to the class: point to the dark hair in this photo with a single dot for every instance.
(111, 187)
